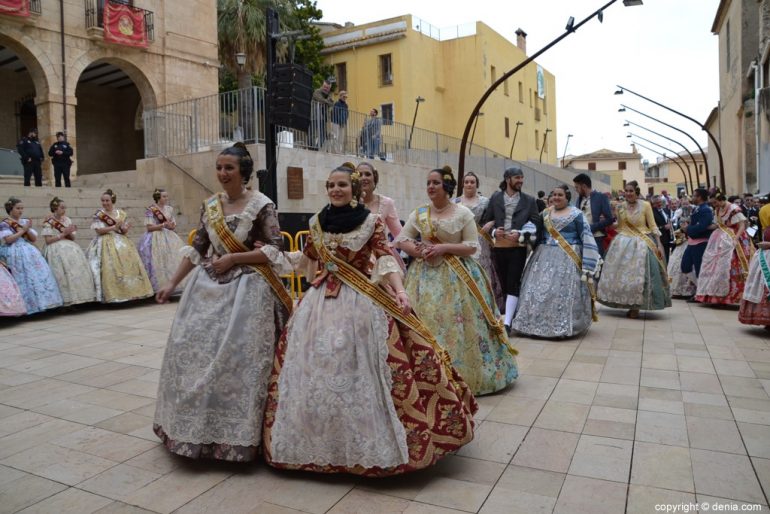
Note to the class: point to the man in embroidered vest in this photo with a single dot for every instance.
(516, 216)
(698, 232)
(595, 207)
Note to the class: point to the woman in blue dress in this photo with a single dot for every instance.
(30, 270)
(557, 292)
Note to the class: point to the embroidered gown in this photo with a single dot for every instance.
(481, 354)
(386, 210)
(214, 376)
(115, 265)
(485, 252)
(755, 305)
(354, 390)
(554, 301)
(722, 279)
(682, 284)
(159, 249)
(69, 266)
(11, 301)
(632, 275)
(30, 271)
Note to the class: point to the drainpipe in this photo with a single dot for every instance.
(758, 79)
(63, 64)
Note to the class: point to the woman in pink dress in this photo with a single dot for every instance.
(379, 204)
(755, 305)
(726, 260)
(11, 302)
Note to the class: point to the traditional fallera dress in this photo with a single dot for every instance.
(214, 377)
(486, 243)
(386, 210)
(453, 298)
(558, 285)
(11, 301)
(755, 305)
(30, 270)
(117, 270)
(726, 260)
(68, 264)
(159, 249)
(633, 275)
(682, 284)
(357, 386)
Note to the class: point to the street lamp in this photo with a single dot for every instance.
(564, 156)
(478, 115)
(515, 133)
(545, 138)
(631, 134)
(622, 89)
(694, 162)
(705, 160)
(569, 30)
(658, 153)
(417, 102)
(240, 59)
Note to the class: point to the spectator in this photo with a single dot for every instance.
(371, 135)
(322, 101)
(61, 157)
(31, 154)
(339, 123)
(596, 209)
(662, 216)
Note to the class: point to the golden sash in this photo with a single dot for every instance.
(360, 283)
(564, 245)
(158, 214)
(423, 218)
(16, 227)
(742, 258)
(627, 225)
(487, 237)
(216, 217)
(55, 224)
(103, 216)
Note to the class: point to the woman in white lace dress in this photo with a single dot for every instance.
(213, 382)
(359, 384)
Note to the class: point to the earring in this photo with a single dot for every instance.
(354, 203)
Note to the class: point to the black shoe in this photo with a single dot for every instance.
(692, 300)
(508, 330)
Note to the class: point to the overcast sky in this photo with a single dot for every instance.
(664, 50)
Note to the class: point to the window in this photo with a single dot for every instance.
(537, 140)
(521, 93)
(386, 70)
(727, 45)
(341, 72)
(493, 73)
(507, 128)
(622, 165)
(505, 87)
(591, 166)
(700, 169)
(530, 97)
(545, 105)
(386, 112)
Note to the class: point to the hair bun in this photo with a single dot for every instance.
(447, 168)
(347, 164)
(109, 192)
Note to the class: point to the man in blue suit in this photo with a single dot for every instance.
(698, 232)
(595, 207)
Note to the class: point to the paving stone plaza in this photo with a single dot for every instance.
(637, 416)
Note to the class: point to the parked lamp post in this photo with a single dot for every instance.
(673, 152)
(545, 138)
(620, 91)
(564, 155)
(515, 133)
(417, 102)
(624, 108)
(478, 115)
(694, 162)
(571, 27)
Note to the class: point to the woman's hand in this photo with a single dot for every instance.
(434, 251)
(165, 292)
(258, 245)
(403, 302)
(222, 264)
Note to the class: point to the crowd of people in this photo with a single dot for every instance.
(111, 270)
(376, 369)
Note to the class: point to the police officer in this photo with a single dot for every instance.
(31, 154)
(61, 156)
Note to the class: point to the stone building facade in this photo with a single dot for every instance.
(59, 73)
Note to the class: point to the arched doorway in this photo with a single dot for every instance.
(17, 107)
(108, 99)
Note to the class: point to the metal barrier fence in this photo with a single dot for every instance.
(202, 124)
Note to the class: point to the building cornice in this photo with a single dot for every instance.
(724, 5)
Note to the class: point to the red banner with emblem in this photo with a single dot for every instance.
(124, 24)
(14, 7)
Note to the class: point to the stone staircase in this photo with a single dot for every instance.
(82, 200)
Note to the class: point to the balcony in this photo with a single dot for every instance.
(24, 11)
(95, 18)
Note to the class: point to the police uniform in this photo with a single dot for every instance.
(31, 154)
(61, 163)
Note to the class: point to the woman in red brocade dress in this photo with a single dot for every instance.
(359, 385)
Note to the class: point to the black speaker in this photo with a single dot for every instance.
(291, 92)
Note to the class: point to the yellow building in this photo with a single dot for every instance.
(668, 174)
(622, 167)
(388, 64)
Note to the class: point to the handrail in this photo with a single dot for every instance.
(180, 168)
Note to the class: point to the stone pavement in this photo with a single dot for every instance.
(668, 410)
